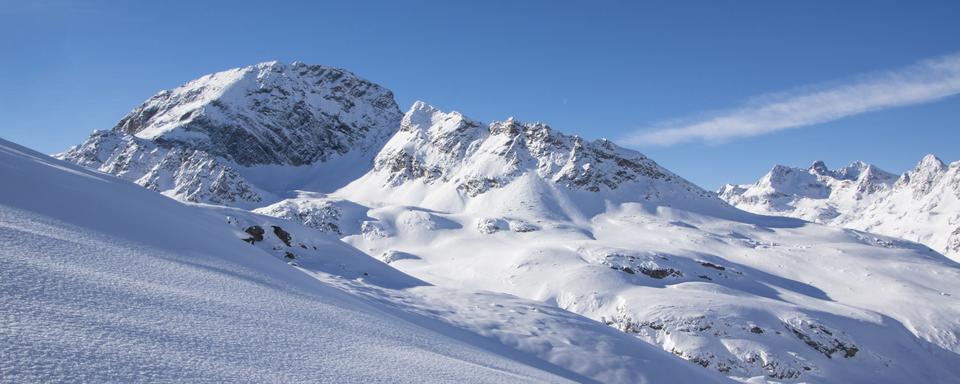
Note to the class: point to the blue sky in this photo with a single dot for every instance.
(618, 70)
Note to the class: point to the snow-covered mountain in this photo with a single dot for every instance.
(214, 138)
(564, 226)
(649, 253)
(444, 160)
(104, 281)
(921, 205)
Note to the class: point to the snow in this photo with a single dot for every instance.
(680, 270)
(514, 247)
(921, 205)
(225, 96)
(186, 99)
(444, 160)
(106, 281)
(246, 136)
(771, 277)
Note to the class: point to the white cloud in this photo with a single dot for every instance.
(922, 82)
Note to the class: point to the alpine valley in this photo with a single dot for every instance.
(313, 231)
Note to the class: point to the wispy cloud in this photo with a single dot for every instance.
(922, 82)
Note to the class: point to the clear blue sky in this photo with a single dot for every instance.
(597, 69)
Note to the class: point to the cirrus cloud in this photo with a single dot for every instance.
(923, 82)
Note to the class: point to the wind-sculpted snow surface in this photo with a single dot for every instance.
(921, 205)
(104, 281)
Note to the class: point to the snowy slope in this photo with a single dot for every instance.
(91, 291)
(921, 205)
(784, 300)
(652, 255)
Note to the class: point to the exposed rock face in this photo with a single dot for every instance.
(194, 142)
(182, 172)
(318, 214)
(921, 205)
(446, 147)
(270, 113)
(826, 341)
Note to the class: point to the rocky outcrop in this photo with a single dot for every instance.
(184, 173)
(314, 213)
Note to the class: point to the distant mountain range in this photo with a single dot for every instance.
(921, 205)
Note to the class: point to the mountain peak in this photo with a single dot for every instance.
(420, 106)
(779, 171)
(275, 63)
(864, 172)
(922, 178)
(423, 117)
(931, 162)
(198, 141)
(856, 167)
(269, 113)
(819, 167)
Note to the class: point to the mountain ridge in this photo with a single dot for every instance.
(919, 204)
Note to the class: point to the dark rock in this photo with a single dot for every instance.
(284, 236)
(712, 265)
(820, 338)
(256, 234)
(660, 273)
